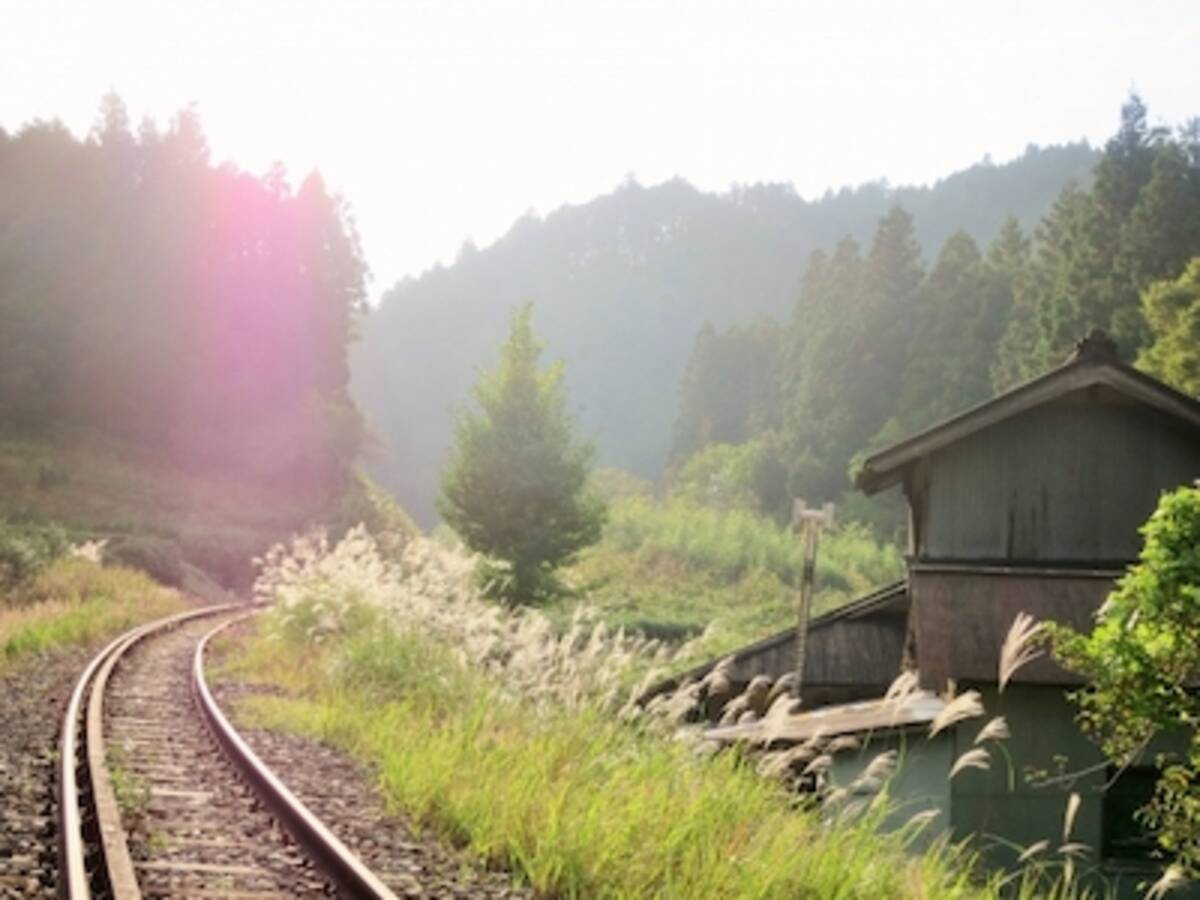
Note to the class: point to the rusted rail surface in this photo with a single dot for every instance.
(75, 882)
(350, 875)
(92, 847)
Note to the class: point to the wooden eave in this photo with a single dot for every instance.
(887, 467)
(891, 599)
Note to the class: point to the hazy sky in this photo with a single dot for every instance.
(445, 120)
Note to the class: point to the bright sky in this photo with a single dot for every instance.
(445, 120)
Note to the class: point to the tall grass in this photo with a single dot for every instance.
(731, 543)
(671, 569)
(545, 781)
(76, 602)
(570, 800)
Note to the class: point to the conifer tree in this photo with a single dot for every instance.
(1172, 309)
(730, 391)
(948, 358)
(816, 415)
(515, 489)
(1099, 249)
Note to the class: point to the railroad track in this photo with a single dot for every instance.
(213, 821)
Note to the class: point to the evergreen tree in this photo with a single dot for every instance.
(1009, 264)
(194, 310)
(730, 391)
(817, 417)
(948, 359)
(1163, 229)
(887, 318)
(516, 486)
(1099, 249)
(1172, 309)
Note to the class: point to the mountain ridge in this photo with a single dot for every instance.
(622, 284)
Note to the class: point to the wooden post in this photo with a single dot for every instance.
(810, 522)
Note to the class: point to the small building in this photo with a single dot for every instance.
(1030, 502)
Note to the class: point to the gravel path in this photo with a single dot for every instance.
(344, 795)
(33, 699)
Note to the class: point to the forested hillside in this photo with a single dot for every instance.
(172, 332)
(882, 343)
(622, 286)
(190, 308)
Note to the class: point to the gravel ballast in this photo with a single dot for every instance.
(343, 793)
(33, 698)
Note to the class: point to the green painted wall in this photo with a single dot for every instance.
(1009, 807)
(920, 780)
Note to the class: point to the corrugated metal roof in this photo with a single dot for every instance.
(918, 708)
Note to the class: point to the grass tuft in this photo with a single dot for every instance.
(76, 602)
(671, 570)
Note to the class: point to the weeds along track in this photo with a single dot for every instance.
(160, 797)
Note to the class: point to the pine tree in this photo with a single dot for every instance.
(1163, 229)
(730, 391)
(516, 486)
(816, 415)
(948, 361)
(1172, 309)
(1099, 249)
(1008, 266)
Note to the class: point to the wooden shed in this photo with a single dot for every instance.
(1032, 502)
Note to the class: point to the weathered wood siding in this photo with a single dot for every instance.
(1069, 481)
(863, 651)
(960, 619)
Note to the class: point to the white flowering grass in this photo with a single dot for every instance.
(322, 590)
(487, 725)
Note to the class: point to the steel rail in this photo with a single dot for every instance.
(336, 860)
(74, 880)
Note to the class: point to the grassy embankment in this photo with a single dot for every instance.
(155, 516)
(75, 602)
(670, 569)
(498, 733)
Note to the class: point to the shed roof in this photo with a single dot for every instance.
(1094, 363)
(891, 600)
(919, 708)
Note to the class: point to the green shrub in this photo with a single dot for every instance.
(27, 550)
(226, 556)
(729, 544)
(1140, 661)
(749, 476)
(157, 557)
(670, 570)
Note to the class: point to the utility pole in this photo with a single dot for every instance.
(809, 522)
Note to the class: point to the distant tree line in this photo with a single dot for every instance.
(879, 346)
(193, 309)
(623, 284)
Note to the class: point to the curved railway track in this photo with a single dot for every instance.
(142, 721)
